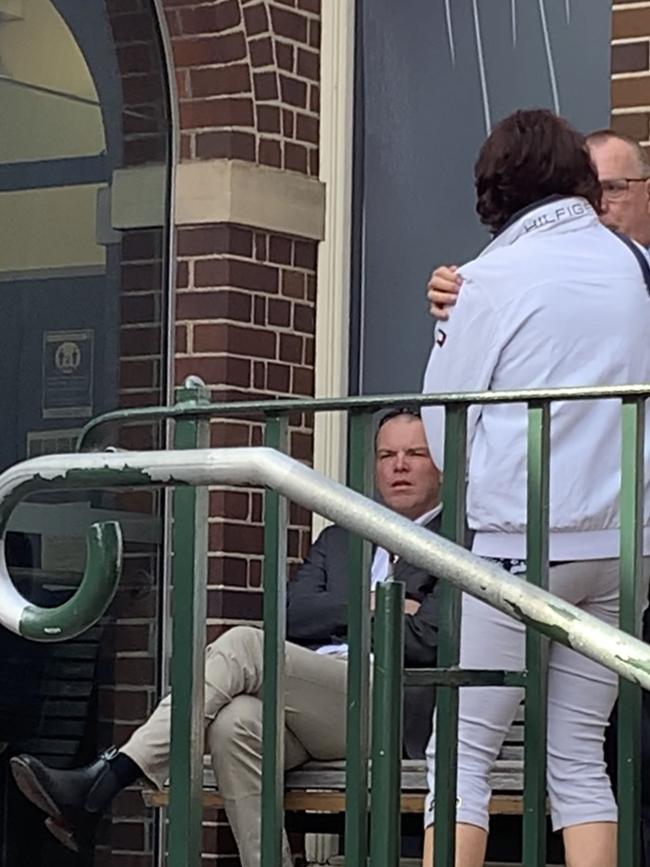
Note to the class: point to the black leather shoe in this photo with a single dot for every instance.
(73, 800)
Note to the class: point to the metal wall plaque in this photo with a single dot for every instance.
(67, 389)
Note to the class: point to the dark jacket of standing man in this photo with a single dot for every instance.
(317, 616)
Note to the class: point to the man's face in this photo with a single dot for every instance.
(625, 203)
(407, 479)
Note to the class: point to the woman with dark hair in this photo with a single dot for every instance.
(536, 311)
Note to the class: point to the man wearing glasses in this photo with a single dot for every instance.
(624, 172)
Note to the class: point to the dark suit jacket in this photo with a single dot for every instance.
(317, 611)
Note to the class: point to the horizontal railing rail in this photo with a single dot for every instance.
(204, 409)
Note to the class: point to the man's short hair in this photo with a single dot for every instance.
(396, 412)
(529, 156)
(600, 136)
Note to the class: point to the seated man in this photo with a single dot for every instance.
(408, 482)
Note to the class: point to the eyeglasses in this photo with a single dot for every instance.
(616, 188)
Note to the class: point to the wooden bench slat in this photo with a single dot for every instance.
(505, 777)
(320, 787)
(334, 802)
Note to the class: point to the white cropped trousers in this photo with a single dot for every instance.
(581, 695)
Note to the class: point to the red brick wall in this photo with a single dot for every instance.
(631, 69)
(245, 314)
(248, 80)
(129, 652)
(127, 676)
(144, 116)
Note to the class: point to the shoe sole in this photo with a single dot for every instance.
(29, 784)
(63, 833)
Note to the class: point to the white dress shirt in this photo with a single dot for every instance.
(379, 572)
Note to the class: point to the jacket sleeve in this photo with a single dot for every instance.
(315, 615)
(465, 352)
(421, 631)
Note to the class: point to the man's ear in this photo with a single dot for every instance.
(647, 194)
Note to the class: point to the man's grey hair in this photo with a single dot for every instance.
(600, 136)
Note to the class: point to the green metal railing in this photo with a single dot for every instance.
(533, 678)
(548, 617)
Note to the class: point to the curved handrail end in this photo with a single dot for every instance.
(92, 598)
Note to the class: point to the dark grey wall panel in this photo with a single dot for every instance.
(435, 75)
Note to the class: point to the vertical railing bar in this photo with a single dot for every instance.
(358, 677)
(189, 577)
(274, 575)
(453, 527)
(631, 608)
(535, 711)
(388, 655)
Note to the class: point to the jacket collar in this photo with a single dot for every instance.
(554, 214)
(425, 520)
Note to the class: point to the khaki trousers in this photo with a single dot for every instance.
(315, 687)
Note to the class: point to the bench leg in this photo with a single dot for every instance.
(319, 848)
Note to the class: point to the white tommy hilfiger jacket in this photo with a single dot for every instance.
(555, 300)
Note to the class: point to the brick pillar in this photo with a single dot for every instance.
(631, 70)
(248, 79)
(249, 219)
